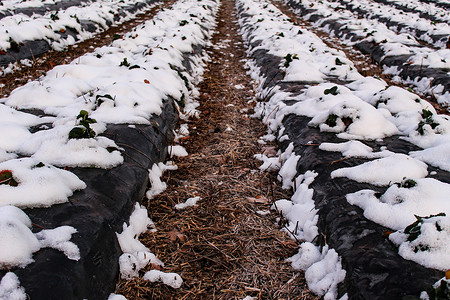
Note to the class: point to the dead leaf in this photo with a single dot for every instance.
(387, 233)
(269, 151)
(146, 81)
(62, 30)
(175, 235)
(447, 274)
(184, 139)
(259, 199)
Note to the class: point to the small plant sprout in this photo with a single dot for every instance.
(338, 62)
(124, 63)
(331, 120)
(413, 230)
(427, 119)
(288, 59)
(84, 131)
(333, 91)
(407, 183)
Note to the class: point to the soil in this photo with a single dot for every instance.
(222, 248)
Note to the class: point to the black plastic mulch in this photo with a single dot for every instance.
(35, 48)
(374, 268)
(375, 50)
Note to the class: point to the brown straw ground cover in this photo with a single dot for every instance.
(223, 248)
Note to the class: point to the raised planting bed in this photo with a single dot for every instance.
(350, 145)
(90, 137)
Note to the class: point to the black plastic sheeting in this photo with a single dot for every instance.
(374, 268)
(35, 48)
(41, 10)
(98, 212)
(407, 71)
(394, 24)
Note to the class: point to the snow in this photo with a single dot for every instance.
(323, 270)
(384, 171)
(139, 223)
(58, 239)
(171, 279)
(21, 28)
(354, 149)
(10, 288)
(18, 242)
(188, 203)
(154, 175)
(135, 255)
(362, 108)
(39, 185)
(431, 247)
(398, 205)
(116, 297)
(436, 156)
(177, 150)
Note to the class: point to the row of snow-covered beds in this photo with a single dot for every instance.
(28, 32)
(392, 37)
(77, 150)
(349, 147)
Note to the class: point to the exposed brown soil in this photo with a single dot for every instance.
(222, 248)
(40, 65)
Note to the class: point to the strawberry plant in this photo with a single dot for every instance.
(288, 59)
(333, 91)
(84, 131)
(413, 230)
(427, 119)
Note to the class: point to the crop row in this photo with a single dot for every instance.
(400, 54)
(350, 145)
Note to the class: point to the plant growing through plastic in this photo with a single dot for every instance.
(84, 131)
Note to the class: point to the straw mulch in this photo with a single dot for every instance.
(222, 248)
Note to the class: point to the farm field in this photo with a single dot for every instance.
(203, 149)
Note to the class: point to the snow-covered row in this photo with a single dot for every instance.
(8, 5)
(126, 83)
(337, 99)
(65, 27)
(399, 53)
(427, 10)
(432, 32)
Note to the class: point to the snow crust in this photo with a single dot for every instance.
(135, 255)
(188, 203)
(18, 242)
(385, 170)
(171, 279)
(10, 288)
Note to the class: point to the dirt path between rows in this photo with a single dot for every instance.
(223, 248)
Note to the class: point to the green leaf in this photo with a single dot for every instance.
(333, 91)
